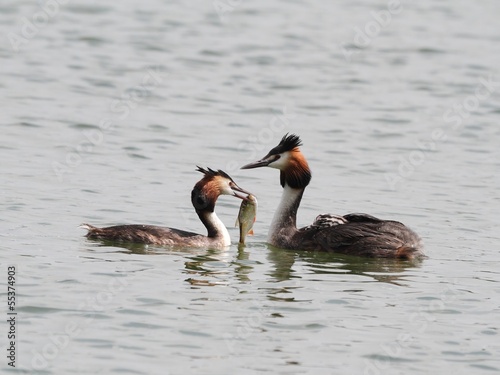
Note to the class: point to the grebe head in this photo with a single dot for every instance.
(288, 158)
(211, 186)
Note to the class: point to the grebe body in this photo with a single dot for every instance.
(355, 234)
(203, 197)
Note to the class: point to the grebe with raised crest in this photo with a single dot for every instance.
(355, 234)
(203, 197)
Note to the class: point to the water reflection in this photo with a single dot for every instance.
(217, 264)
(204, 267)
(242, 265)
(283, 261)
(384, 270)
(210, 267)
(128, 248)
(145, 249)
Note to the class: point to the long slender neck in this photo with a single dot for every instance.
(215, 227)
(285, 216)
(294, 178)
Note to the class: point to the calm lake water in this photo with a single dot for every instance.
(107, 108)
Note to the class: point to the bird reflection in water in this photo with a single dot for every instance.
(383, 270)
(205, 267)
(214, 267)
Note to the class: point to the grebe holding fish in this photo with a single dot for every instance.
(203, 197)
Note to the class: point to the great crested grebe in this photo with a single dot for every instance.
(203, 197)
(356, 234)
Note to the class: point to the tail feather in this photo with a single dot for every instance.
(86, 226)
(91, 229)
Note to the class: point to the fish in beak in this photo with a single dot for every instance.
(239, 192)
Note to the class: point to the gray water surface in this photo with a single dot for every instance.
(106, 110)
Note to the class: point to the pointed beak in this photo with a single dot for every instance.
(256, 164)
(262, 162)
(237, 192)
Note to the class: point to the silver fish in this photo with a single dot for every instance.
(246, 217)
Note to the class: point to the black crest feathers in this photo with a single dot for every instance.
(211, 173)
(287, 143)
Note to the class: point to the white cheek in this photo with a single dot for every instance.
(226, 189)
(282, 162)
